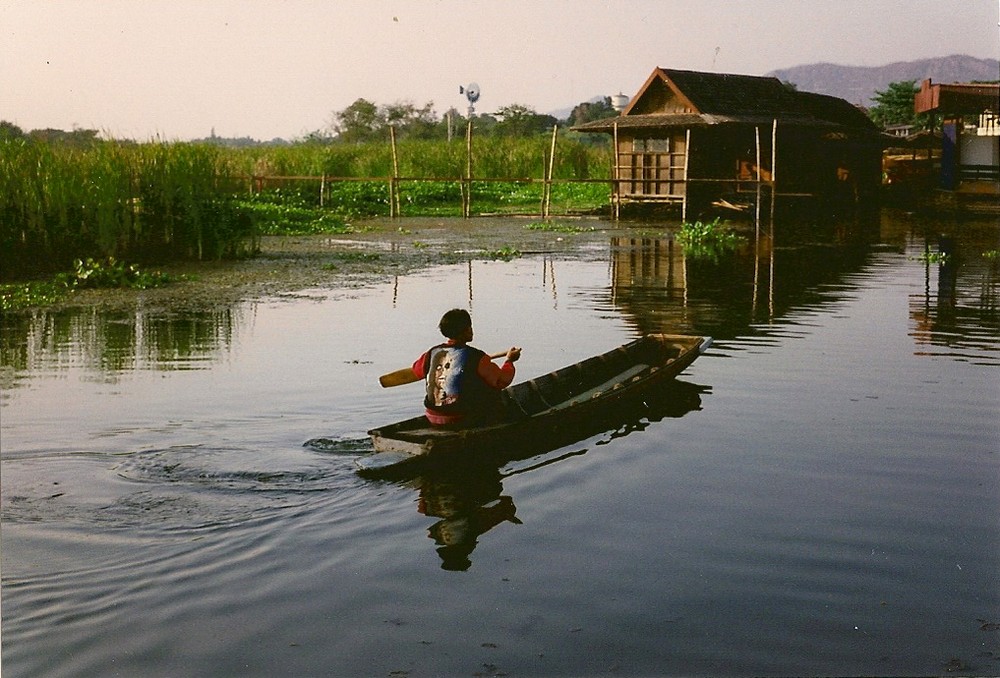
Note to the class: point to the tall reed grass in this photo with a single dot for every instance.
(158, 201)
(152, 201)
(493, 157)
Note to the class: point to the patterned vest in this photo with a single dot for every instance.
(453, 383)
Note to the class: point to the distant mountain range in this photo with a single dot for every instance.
(858, 84)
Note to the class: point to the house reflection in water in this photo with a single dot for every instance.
(725, 292)
(666, 290)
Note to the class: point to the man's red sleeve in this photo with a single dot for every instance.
(418, 366)
(496, 377)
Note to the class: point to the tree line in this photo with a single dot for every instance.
(366, 121)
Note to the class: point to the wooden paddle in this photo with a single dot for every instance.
(406, 375)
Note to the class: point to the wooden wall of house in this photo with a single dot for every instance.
(721, 162)
(653, 165)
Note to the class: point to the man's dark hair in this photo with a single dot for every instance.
(454, 322)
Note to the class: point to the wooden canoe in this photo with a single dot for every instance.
(545, 406)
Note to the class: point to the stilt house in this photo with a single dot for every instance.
(970, 138)
(700, 139)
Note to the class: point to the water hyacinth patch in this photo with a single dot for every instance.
(708, 239)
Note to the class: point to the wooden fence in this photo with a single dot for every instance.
(393, 182)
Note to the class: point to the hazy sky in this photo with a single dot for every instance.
(179, 68)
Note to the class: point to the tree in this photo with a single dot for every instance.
(78, 138)
(518, 120)
(364, 121)
(410, 121)
(894, 106)
(589, 111)
(10, 131)
(361, 121)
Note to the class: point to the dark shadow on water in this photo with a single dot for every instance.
(466, 493)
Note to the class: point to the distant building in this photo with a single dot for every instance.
(697, 139)
(969, 115)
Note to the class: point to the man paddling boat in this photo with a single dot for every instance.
(462, 383)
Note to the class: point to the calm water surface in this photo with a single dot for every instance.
(819, 494)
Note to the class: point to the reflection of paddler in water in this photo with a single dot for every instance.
(468, 505)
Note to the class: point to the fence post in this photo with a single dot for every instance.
(394, 181)
(547, 190)
(467, 193)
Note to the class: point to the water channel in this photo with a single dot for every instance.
(818, 494)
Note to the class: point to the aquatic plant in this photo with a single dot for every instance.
(280, 212)
(110, 273)
(708, 239)
(505, 253)
(557, 227)
(16, 296)
(86, 274)
(930, 257)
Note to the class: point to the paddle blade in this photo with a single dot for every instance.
(398, 378)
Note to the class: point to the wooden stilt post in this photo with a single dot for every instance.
(687, 158)
(774, 174)
(322, 189)
(615, 183)
(547, 190)
(756, 135)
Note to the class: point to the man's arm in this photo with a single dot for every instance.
(418, 366)
(496, 377)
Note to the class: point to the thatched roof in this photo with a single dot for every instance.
(680, 99)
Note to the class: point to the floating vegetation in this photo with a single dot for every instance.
(556, 227)
(934, 257)
(992, 255)
(86, 274)
(18, 296)
(506, 253)
(110, 273)
(708, 239)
